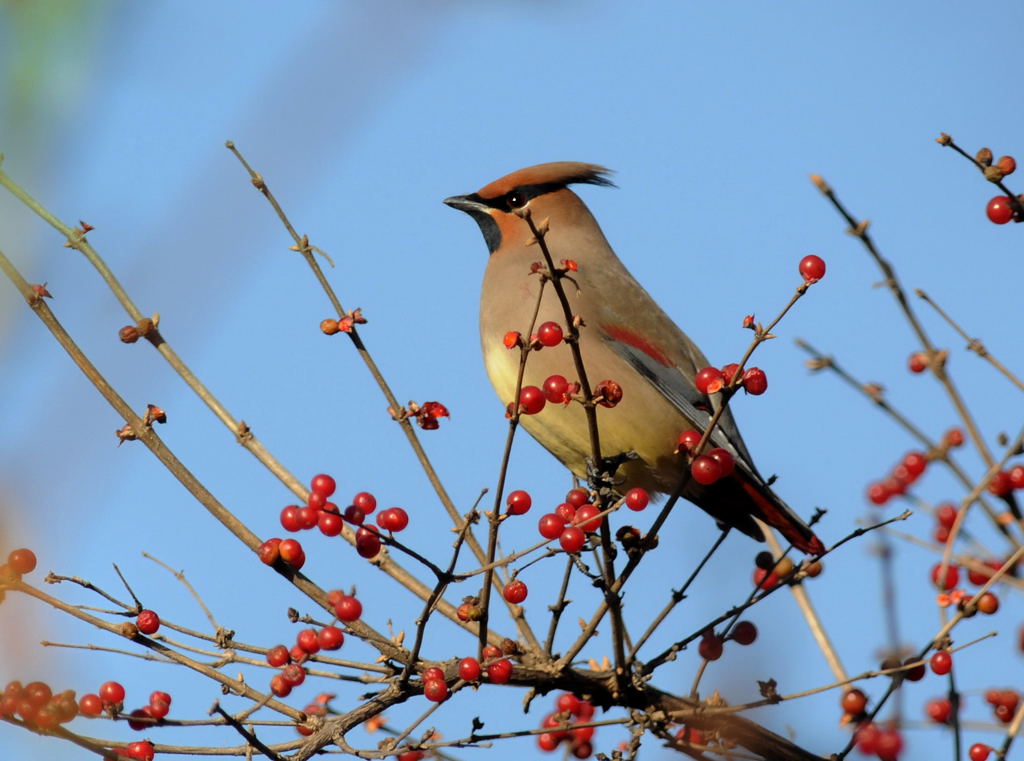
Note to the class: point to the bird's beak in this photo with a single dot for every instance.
(468, 204)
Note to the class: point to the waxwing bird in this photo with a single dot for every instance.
(626, 337)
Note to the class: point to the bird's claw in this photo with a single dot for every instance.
(601, 477)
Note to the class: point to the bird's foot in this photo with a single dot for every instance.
(601, 476)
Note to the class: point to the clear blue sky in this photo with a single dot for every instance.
(362, 117)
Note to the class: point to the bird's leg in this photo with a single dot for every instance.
(601, 476)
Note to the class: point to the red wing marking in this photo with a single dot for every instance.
(637, 341)
(773, 516)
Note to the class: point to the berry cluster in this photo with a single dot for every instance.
(712, 380)
(561, 726)
(881, 741)
(1000, 208)
(573, 519)
(308, 642)
(712, 645)
(900, 478)
(320, 513)
(769, 572)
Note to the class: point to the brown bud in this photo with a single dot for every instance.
(329, 326)
(41, 291)
(993, 174)
(510, 647)
(129, 630)
(943, 139)
(129, 334)
(125, 433)
(983, 157)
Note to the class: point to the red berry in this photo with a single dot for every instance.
(269, 551)
(308, 641)
(290, 518)
(939, 710)
(979, 751)
(710, 647)
(988, 603)
(142, 750)
(1000, 485)
(432, 673)
(330, 638)
(348, 609)
(291, 553)
(393, 519)
(307, 517)
(854, 702)
(549, 334)
(367, 542)
(277, 656)
(547, 741)
(586, 520)
(915, 674)
(491, 651)
(469, 669)
(709, 380)
(917, 362)
(1006, 164)
(763, 579)
(365, 502)
(582, 750)
(577, 498)
(941, 662)
(90, 705)
(812, 268)
(500, 671)
(867, 738)
(293, 674)
(354, 515)
(567, 703)
(297, 654)
(550, 526)
(946, 515)
(435, 690)
(37, 693)
(279, 686)
(705, 470)
(878, 494)
(954, 437)
(22, 561)
(556, 389)
(512, 339)
(729, 373)
(148, 622)
(888, 745)
(637, 499)
(724, 460)
(316, 500)
(323, 485)
(330, 523)
(755, 381)
(571, 539)
(952, 576)
(515, 591)
(566, 512)
(915, 463)
(111, 693)
(999, 210)
(518, 502)
(978, 578)
(531, 400)
(688, 440)
(1017, 476)
(1004, 713)
(744, 633)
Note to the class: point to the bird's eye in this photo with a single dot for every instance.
(516, 199)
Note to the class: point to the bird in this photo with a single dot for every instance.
(624, 336)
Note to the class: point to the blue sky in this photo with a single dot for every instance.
(362, 117)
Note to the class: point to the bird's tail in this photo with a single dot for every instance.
(777, 514)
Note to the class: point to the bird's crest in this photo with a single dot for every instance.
(554, 173)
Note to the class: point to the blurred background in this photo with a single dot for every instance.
(362, 117)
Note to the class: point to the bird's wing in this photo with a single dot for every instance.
(671, 381)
